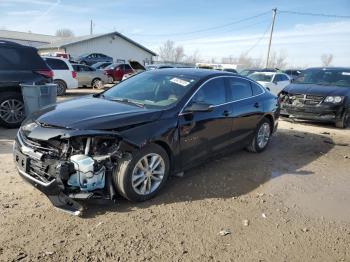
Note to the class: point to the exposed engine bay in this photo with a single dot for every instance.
(71, 164)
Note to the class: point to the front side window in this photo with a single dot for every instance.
(212, 93)
(153, 90)
(239, 88)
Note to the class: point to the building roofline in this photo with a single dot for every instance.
(76, 40)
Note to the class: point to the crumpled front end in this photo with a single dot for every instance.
(68, 164)
(309, 107)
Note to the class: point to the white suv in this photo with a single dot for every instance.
(63, 74)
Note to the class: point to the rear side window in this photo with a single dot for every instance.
(279, 77)
(239, 88)
(257, 90)
(56, 64)
(20, 58)
(127, 67)
(213, 92)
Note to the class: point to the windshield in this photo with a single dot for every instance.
(261, 77)
(334, 77)
(152, 89)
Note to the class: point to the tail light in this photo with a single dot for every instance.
(45, 72)
(74, 74)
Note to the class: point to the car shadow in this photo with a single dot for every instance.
(231, 175)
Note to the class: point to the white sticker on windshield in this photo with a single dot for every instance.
(179, 81)
(346, 73)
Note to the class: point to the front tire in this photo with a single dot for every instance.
(344, 122)
(261, 137)
(11, 109)
(142, 177)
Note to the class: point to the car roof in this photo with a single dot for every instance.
(193, 72)
(55, 57)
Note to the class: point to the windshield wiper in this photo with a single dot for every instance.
(128, 101)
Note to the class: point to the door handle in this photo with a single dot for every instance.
(226, 113)
(257, 105)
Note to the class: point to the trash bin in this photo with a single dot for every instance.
(38, 96)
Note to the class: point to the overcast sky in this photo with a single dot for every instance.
(151, 22)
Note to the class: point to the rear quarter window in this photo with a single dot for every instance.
(257, 90)
(20, 58)
(56, 64)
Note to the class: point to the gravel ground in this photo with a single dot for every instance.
(290, 203)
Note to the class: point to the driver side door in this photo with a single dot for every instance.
(205, 133)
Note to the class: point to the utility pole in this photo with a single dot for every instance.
(91, 27)
(274, 11)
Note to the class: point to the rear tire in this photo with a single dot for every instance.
(61, 87)
(344, 122)
(11, 109)
(97, 83)
(261, 137)
(129, 177)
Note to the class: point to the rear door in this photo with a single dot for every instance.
(246, 107)
(203, 133)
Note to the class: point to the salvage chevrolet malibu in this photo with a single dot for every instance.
(128, 139)
(321, 94)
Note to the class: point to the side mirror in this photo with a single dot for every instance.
(199, 107)
(275, 82)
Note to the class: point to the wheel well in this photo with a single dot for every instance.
(60, 81)
(167, 149)
(270, 118)
(96, 78)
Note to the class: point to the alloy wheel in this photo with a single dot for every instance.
(97, 84)
(12, 111)
(263, 135)
(148, 174)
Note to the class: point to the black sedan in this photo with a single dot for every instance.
(321, 94)
(128, 139)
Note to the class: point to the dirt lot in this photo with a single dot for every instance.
(290, 203)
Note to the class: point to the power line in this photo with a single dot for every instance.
(258, 41)
(210, 28)
(313, 14)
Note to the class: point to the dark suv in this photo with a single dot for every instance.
(18, 64)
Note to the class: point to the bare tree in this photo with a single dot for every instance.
(194, 58)
(64, 32)
(326, 59)
(179, 54)
(167, 51)
(278, 60)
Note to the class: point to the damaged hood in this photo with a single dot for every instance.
(90, 113)
(321, 90)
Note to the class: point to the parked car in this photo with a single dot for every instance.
(293, 73)
(18, 65)
(159, 66)
(90, 59)
(274, 82)
(231, 70)
(101, 65)
(88, 76)
(321, 94)
(130, 138)
(64, 74)
(116, 72)
(249, 71)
